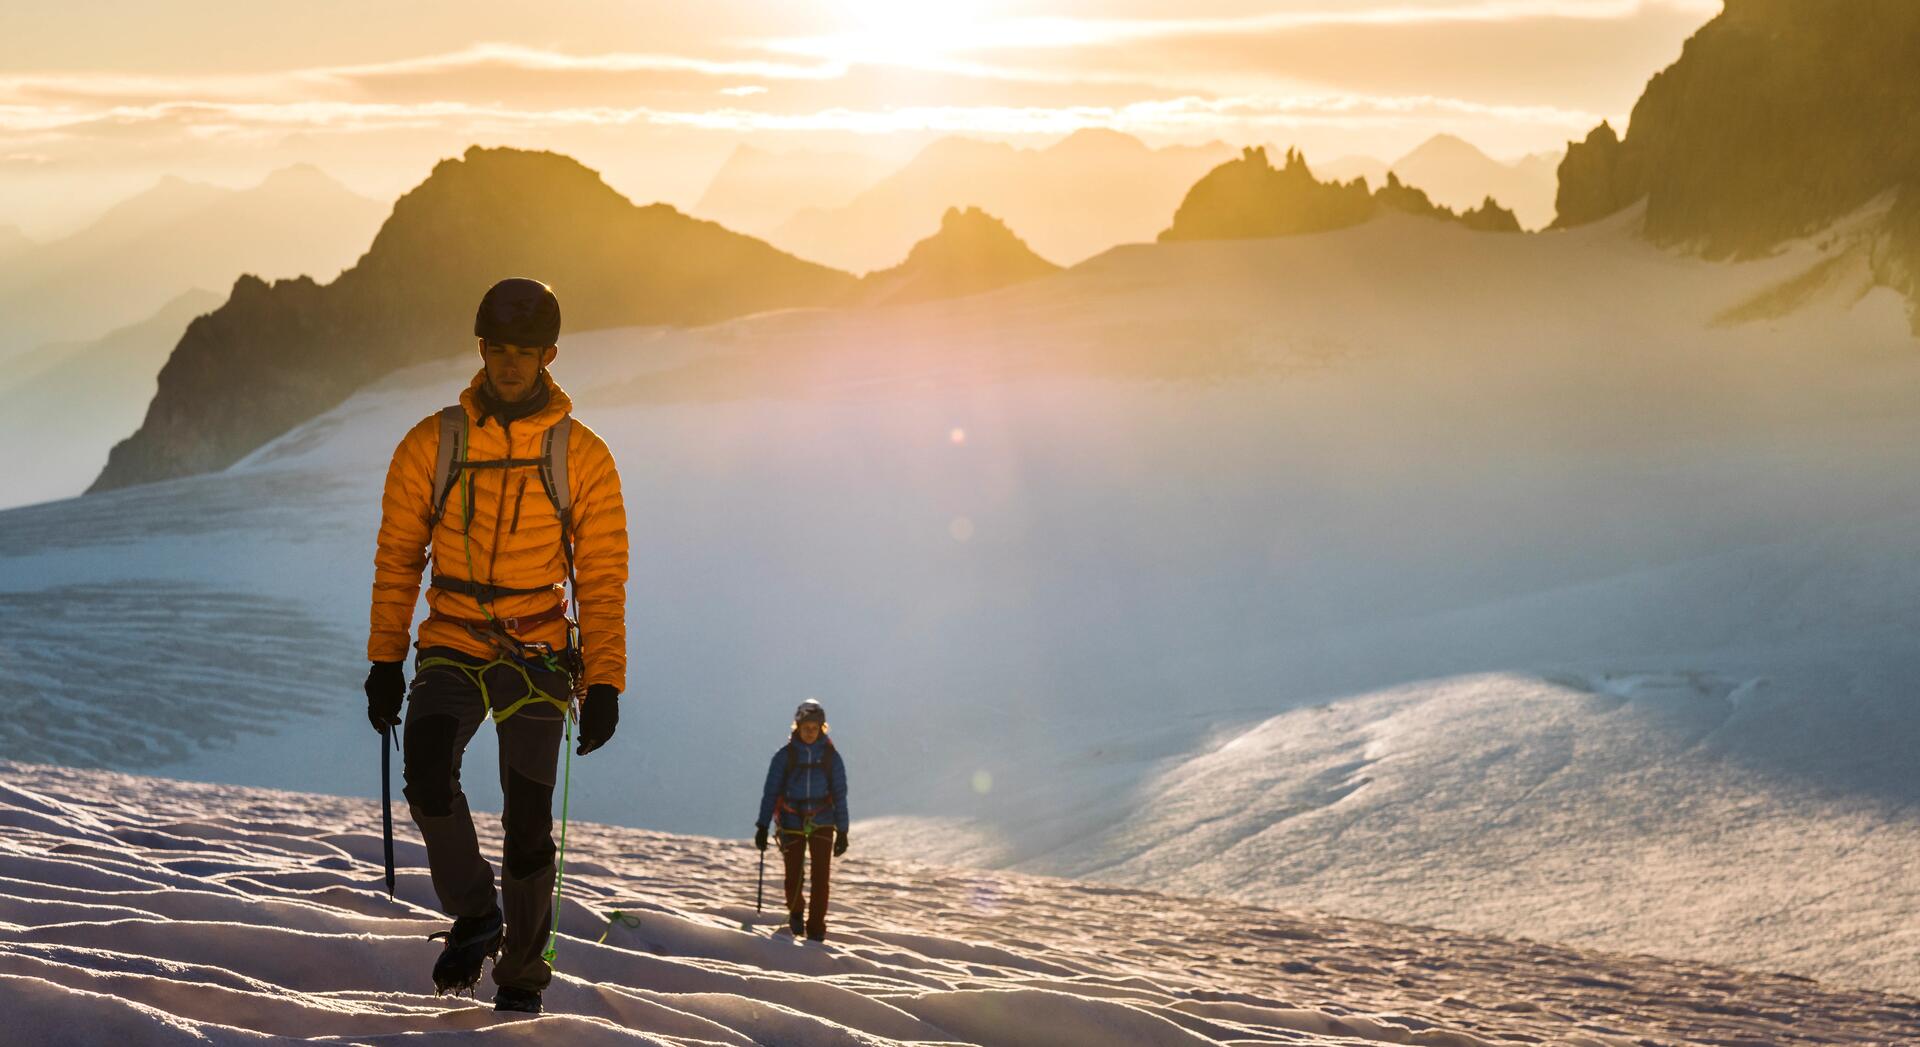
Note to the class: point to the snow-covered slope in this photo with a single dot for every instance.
(137, 910)
(1045, 552)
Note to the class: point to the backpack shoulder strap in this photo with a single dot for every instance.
(553, 467)
(786, 779)
(453, 450)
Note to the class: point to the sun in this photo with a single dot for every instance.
(912, 33)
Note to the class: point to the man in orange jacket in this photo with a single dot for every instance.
(512, 497)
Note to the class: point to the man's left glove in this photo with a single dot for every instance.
(599, 713)
(386, 689)
(840, 845)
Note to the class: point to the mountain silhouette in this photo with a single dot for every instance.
(1249, 198)
(1779, 117)
(756, 190)
(277, 354)
(71, 413)
(1073, 199)
(1456, 174)
(972, 252)
(147, 250)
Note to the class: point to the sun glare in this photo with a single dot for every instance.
(913, 33)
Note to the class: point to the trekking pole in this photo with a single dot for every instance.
(386, 799)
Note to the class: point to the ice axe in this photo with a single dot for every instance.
(386, 799)
(759, 893)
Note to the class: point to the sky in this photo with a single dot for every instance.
(100, 98)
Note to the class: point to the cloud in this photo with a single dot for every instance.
(882, 43)
(1185, 116)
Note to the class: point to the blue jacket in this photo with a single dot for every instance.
(818, 773)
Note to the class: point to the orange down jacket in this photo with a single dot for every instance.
(513, 540)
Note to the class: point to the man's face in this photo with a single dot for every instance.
(514, 370)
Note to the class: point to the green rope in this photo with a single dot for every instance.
(807, 828)
(478, 674)
(560, 860)
(626, 920)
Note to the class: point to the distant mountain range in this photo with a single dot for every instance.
(1456, 174)
(757, 189)
(178, 235)
(277, 354)
(73, 412)
(1071, 200)
(1250, 198)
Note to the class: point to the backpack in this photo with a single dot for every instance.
(452, 461)
(820, 805)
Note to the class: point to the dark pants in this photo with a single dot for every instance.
(444, 709)
(794, 849)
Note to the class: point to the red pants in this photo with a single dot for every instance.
(794, 849)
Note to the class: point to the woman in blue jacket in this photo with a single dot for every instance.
(806, 797)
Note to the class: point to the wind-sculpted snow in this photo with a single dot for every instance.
(141, 673)
(139, 910)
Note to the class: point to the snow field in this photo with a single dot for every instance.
(141, 910)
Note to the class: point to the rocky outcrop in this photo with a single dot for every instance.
(1250, 198)
(973, 252)
(1779, 117)
(277, 354)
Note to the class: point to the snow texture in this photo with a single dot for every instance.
(1490, 582)
(142, 910)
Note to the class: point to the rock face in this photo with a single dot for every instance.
(972, 252)
(1250, 198)
(1779, 117)
(276, 355)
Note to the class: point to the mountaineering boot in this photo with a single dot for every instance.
(797, 923)
(470, 944)
(525, 1001)
(818, 934)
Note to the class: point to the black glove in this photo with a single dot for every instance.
(386, 689)
(760, 837)
(599, 713)
(840, 845)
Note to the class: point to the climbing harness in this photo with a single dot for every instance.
(452, 468)
(813, 807)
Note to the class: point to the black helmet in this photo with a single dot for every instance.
(810, 710)
(519, 311)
